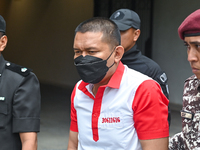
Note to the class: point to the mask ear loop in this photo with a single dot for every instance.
(111, 53)
(111, 65)
(109, 57)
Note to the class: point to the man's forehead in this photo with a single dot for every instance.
(192, 39)
(89, 34)
(89, 39)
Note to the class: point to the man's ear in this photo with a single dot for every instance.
(119, 52)
(3, 42)
(136, 35)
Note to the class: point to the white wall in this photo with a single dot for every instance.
(168, 49)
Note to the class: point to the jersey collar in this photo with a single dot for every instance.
(115, 80)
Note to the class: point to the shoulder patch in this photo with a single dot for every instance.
(163, 77)
(18, 69)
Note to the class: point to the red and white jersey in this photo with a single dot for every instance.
(130, 107)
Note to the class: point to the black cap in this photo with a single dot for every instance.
(125, 19)
(2, 25)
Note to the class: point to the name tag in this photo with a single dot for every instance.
(187, 115)
(2, 98)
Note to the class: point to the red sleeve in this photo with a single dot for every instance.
(150, 108)
(73, 125)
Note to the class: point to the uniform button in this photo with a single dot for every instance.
(0, 75)
(23, 69)
(7, 64)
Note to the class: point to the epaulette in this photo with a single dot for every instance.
(18, 69)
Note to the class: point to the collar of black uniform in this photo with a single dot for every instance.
(131, 54)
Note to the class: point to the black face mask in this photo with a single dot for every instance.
(91, 69)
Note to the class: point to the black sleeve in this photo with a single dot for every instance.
(26, 105)
(162, 79)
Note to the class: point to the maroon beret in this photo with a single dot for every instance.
(190, 26)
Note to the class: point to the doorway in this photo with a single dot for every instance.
(144, 8)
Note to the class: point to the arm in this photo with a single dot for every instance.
(26, 106)
(73, 133)
(155, 144)
(73, 141)
(150, 114)
(29, 140)
(162, 80)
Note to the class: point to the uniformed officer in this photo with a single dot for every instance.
(19, 103)
(188, 139)
(128, 23)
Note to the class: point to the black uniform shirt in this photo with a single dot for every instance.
(19, 104)
(134, 59)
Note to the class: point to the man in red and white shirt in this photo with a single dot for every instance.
(113, 107)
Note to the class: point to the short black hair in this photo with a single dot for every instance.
(111, 33)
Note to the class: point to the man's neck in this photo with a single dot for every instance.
(106, 79)
(128, 48)
(97, 85)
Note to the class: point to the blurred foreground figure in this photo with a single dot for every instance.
(19, 103)
(189, 138)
